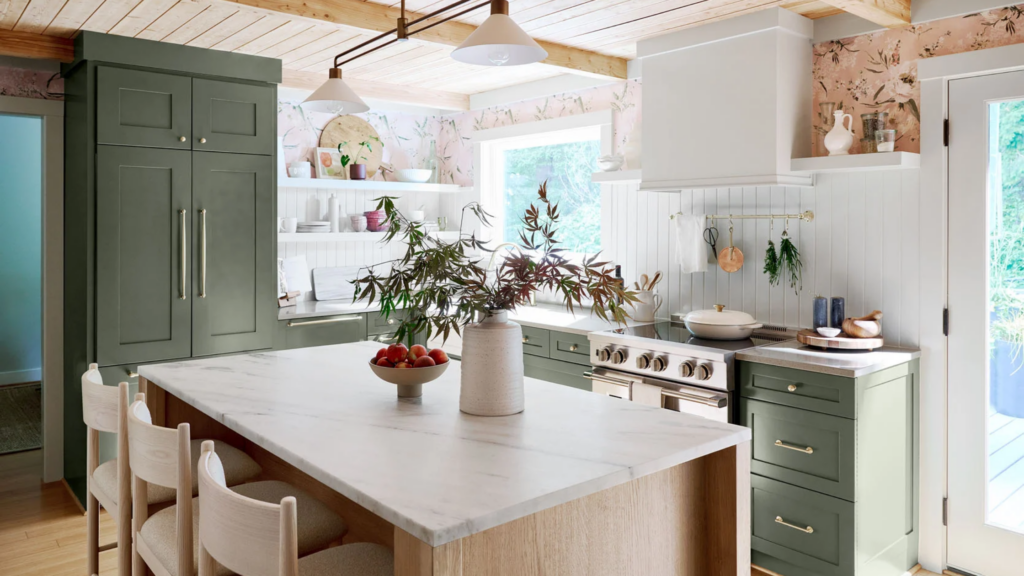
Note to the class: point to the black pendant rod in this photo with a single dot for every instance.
(466, 11)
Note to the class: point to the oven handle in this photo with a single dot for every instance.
(606, 378)
(713, 400)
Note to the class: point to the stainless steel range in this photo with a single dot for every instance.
(662, 364)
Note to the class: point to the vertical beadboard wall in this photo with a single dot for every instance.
(863, 245)
(291, 202)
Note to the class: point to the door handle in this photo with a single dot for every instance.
(805, 450)
(808, 530)
(184, 255)
(294, 324)
(202, 254)
(712, 400)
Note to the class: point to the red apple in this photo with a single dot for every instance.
(403, 365)
(382, 353)
(438, 356)
(423, 362)
(416, 351)
(385, 363)
(397, 353)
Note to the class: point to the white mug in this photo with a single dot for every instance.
(287, 225)
(647, 307)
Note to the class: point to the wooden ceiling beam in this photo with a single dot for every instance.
(888, 13)
(381, 91)
(32, 45)
(366, 16)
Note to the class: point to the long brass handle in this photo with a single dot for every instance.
(805, 450)
(712, 400)
(202, 255)
(294, 324)
(184, 256)
(808, 530)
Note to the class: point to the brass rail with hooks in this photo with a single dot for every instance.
(807, 216)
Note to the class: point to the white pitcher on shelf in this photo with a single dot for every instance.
(840, 139)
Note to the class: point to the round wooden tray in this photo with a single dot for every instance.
(353, 129)
(841, 342)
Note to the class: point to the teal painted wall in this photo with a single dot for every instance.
(21, 161)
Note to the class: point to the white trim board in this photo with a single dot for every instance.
(536, 89)
(52, 113)
(21, 376)
(602, 118)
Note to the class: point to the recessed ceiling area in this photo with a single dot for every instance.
(589, 37)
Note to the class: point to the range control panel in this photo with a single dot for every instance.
(664, 365)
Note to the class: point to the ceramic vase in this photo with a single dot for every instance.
(492, 367)
(840, 139)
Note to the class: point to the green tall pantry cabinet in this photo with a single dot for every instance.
(170, 247)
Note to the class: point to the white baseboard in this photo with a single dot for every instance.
(20, 376)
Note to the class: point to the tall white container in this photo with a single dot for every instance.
(332, 213)
(313, 212)
(492, 367)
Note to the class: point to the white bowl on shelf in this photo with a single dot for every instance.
(610, 163)
(829, 332)
(413, 175)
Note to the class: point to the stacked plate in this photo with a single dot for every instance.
(317, 227)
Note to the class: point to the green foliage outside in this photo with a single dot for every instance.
(567, 169)
(1006, 258)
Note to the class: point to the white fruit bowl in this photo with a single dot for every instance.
(413, 175)
(410, 381)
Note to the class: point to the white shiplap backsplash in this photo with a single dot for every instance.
(862, 245)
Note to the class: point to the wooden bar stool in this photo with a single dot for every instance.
(258, 538)
(104, 409)
(163, 457)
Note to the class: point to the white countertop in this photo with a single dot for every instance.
(556, 317)
(849, 364)
(421, 464)
(312, 308)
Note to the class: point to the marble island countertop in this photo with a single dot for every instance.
(421, 464)
(849, 364)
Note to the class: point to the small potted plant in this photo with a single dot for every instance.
(445, 287)
(343, 158)
(357, 171)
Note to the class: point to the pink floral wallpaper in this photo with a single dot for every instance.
(878, 72)
(23, 83)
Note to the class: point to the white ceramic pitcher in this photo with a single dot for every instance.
(840, 139)
(647, 307)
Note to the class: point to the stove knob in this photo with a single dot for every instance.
(619, 356)
(704, 372)
(643, 362)
(687, 368)
(604, 354)
(659, 364)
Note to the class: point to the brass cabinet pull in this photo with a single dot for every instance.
(202, 254)
(294, 324)
(526, 339)
(791, 388)
(781, 444)
(184, 255)
(391, 321)
(808, 530)
(573, 348)
(132, 374)
(202, 140)
(182, 139)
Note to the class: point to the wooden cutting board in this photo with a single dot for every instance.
(334, 283)
(841, 342)
(354, 130)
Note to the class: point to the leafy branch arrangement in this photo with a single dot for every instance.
(443, 286)
(786, 263)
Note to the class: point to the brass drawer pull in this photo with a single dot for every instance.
(526, 339)
(781, 444)
(294, 324)
(791, 388)
(132, 374)
(573, 348)
(202, 255)
(808, 530)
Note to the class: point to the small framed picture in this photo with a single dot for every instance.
(328, 164)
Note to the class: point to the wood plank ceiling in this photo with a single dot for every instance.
(593, 37)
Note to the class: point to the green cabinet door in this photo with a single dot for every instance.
(135, 108)
(231, 117)
(233, 309)
(143, 209)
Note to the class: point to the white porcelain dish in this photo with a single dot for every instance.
(721, 324)
(829, 332)
(413, 175)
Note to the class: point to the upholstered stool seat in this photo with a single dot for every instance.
(318, 526)
(361, 559)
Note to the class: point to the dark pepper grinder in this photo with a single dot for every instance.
(820, 316)
(838, 311)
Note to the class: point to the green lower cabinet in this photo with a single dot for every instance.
(323, 331)
(834, 470)
(536, 341)
(565, 373)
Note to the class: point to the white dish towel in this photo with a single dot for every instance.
(691, 250)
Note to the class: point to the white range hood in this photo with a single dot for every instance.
(727, 104)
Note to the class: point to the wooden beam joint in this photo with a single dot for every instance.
(888, 13)
(30, 45)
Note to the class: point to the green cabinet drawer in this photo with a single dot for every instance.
(136, 108)
(804, 448)
(798, 388)
(802, 529)
(564, 373)
(324, 331)
(233, 117)
(376, 323)
(573, 348)
(535, 341)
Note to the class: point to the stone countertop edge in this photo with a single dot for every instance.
(315, 309)
(848, 364)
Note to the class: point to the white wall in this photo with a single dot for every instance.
(862, 245)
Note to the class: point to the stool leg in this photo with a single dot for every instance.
(92, 551)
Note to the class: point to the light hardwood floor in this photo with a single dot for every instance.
(42, 529)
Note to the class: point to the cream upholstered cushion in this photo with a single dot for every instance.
(317, 525)
(349, 560)
(238, 468)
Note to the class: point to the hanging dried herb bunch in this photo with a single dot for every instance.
(444, 285)
(771, 260)
(789, 261)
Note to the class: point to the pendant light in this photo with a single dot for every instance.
(335, 97)
(499, 41)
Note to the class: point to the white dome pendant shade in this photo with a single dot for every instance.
(335, 97)
(499, 41)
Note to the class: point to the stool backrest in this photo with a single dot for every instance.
(99, 402)
(247, 536)
(156, 452)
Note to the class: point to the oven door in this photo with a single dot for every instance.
(710, 404)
